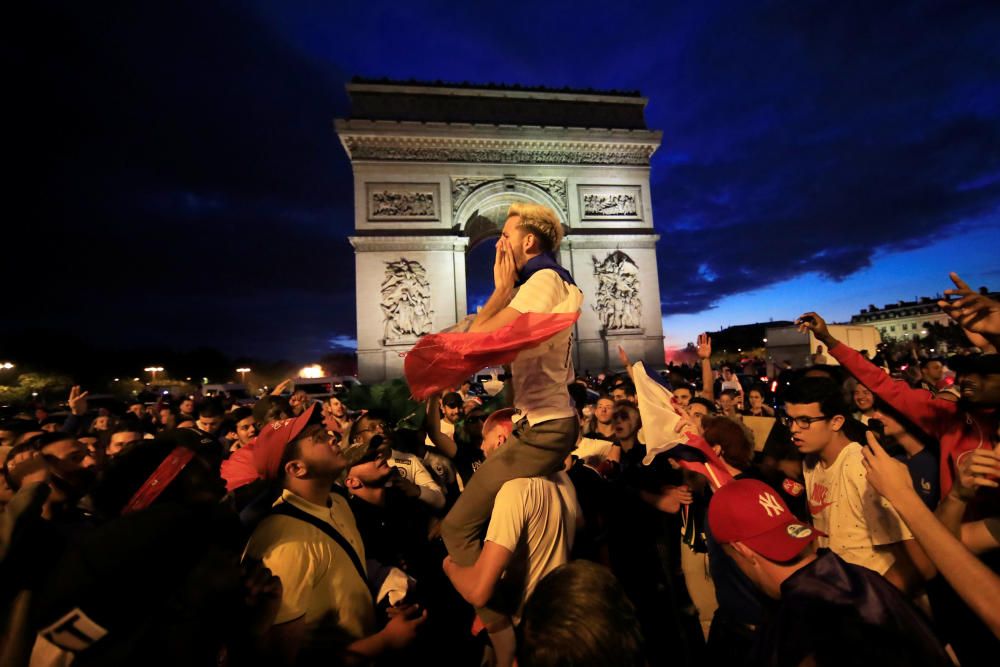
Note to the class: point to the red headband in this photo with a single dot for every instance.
(160, 479)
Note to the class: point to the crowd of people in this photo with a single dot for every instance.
(681, 517)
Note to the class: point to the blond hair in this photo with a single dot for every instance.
(539, 220)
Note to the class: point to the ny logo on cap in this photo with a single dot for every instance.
(771, 504)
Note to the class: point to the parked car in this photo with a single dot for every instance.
(492, 379)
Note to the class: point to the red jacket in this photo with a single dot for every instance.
(957, 430)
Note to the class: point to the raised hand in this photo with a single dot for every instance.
(980, 341)
(889, 476)
(281, 387)
(975, 469)
(623, 357)
(77, 401)
(704, 346)
(813, 322)
(504, 270)
(974, 311)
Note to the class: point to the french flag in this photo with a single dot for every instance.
(659, 426)
(443, 360)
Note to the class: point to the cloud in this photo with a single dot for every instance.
(179, 179)
(817, 145)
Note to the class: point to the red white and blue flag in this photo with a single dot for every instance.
(660, 418)
(443, 360)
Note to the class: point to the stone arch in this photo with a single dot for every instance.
(484, 210)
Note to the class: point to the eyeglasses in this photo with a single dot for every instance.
(802, 422)
(624, 415)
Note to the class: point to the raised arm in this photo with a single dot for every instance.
(441, 440)
(705, 357)
(918, 405)
(975, 583)
(977, 313)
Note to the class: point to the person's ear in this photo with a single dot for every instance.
(296, 469)
(837, 422)
(745, 552)
(352, 482)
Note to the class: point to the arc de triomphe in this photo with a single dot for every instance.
(435, 168)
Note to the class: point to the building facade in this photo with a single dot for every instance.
(903, 320)
(435, 169)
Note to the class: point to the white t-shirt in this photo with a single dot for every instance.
(446, 427)
(859, 523)
(535, 519)
(540, 374)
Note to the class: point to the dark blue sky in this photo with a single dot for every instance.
(178, 179)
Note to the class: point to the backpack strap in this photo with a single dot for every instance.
(289, 510)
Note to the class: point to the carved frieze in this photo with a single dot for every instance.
(617, 300)
(406, 301)
(556, 187)
(610, 202)
(503, 151)
(461, 188)
(404, 201)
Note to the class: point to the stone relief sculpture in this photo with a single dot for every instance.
(461, 188)
(610, 205)
(406, 298)
(618, 306)
(555, 187)
(388, 204)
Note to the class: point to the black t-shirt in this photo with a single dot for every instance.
(394, 534)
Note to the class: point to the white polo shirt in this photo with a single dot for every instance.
(541, 374)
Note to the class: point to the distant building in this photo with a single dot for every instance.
(744, 337)
(907, 319)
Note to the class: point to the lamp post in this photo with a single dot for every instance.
(154, 370)
(243, 374)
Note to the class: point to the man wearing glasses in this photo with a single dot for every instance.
(859, 525)
(413, 478)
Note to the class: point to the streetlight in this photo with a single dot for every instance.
(243, 374)
(154, 370)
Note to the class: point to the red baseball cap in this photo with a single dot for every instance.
(751, 512)
(261, 458)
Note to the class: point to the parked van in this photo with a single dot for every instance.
(235, 392)
(325, 387)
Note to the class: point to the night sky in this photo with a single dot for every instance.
(176, 178)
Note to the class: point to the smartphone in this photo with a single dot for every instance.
(878, 428)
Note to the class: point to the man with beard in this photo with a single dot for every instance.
(311, 542)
